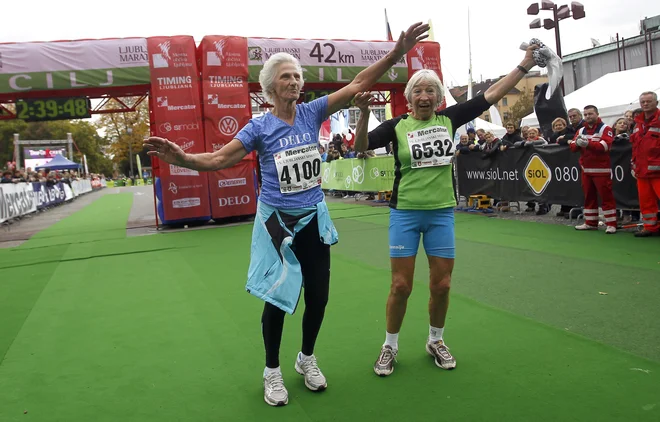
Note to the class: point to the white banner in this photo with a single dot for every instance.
(73, 55)
(16, 199)
(81, 186)
(68, 192)
(321, 52)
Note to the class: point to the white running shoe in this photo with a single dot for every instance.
(585, 226)
(440, 352)
(610, 230)
(384, 365)
(275, 394)
(314, 379)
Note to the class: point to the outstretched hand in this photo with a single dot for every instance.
(528, 61)
(407, 40)
(165, 150)
(363, 100)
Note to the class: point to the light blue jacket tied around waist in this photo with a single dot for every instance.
(275, 275)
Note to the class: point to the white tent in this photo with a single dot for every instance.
(613, 93)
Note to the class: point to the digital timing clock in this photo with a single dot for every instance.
(37, 110)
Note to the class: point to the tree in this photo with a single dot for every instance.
(125, 132)
(522, 107)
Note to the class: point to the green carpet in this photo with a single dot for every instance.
(160, 328)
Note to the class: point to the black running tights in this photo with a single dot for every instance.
(314, 257)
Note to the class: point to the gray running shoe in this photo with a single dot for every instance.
(314, 379)
(384, 365)
(275, 393)
(440, 352)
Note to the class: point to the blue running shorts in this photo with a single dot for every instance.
(437, 227)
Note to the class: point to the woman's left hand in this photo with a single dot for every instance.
(363, 100)
(407, 40)
(528, 62)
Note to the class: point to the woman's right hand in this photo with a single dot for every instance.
(363, 100)
(165, 150)
(407, 40)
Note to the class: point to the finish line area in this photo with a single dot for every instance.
(89, 334)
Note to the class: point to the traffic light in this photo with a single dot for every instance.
(578, 10)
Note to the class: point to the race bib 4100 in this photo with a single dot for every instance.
(430, 147)
(298, 169)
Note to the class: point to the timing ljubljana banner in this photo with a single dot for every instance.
(227, 108)
(66, 65)
(181, 193)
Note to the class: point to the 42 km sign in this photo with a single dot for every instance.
(326, 60)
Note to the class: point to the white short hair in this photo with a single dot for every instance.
(424, 75)
(268, 73)
(651, 93)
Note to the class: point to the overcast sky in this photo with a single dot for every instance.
(497, 27)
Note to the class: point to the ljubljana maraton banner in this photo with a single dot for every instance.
(66, 65)
(51, 66)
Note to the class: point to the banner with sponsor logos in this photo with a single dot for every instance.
(46, 195)
(66, 65)
(182, 194)
(16, 199)
(226, 109)
(35, 157)
(548, 174)
(326, 60)
(359, 175)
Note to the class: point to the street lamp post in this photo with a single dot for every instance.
(130, 149)
(558, 14)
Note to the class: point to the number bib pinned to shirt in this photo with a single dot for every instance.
(430, 147)
(298, 169)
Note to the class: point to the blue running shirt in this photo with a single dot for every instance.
(288, 155)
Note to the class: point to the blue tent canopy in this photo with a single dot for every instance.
(59, 163)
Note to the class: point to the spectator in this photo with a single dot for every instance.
(324, 155)
(561, 133)
(621, 135)
(472, 136)
(463, 147)
(491, 146)
(646, 162)
(511, 136)
(524, 132)
(593, 142)
(533, 139)
(575, 119)
(6, 177)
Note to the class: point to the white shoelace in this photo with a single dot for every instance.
(275, 381)
(310, 366)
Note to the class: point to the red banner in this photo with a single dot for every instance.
(176, 114)
(227, 108)
(425, 55)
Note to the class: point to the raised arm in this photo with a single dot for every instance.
(168, 151)
(502, 87)
(362, 101)
(369, 76)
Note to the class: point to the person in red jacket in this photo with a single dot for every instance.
(594, 141)
(646, 162)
